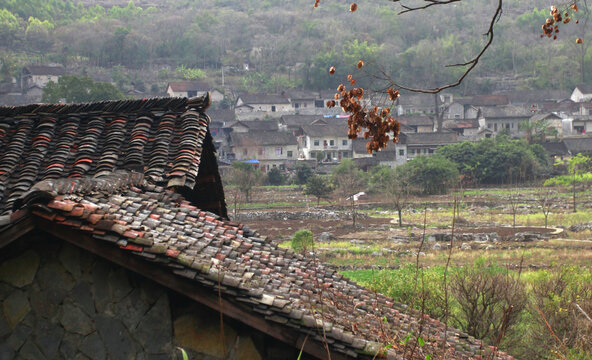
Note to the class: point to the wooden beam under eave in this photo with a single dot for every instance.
(191, 289)
(14, 232)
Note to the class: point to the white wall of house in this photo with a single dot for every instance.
(578, 96)
(512, 124)
(455, 111)
(301, 104)
(331, 147)
(267, 152)
(42, 80)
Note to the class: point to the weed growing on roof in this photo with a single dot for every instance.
(302, 241)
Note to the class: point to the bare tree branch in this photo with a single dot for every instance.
(430, 3)
(471, 63)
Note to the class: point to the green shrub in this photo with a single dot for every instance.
(302, 240)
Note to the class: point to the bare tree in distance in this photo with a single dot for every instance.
(546, 201)
(398, 189)
(349, 181)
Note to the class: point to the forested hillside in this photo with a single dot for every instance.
(288, 43)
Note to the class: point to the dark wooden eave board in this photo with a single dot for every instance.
(15, 231)
(191, 289)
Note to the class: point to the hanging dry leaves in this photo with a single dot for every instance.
(379, 126)
(332, 70)
(551, 25)
(579, 41)
(360, 64)
(353, 7)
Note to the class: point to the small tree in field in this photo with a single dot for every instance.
(397, 188)
(244, 177)
(546, 202)
(275, 177)
(577, 167)
(349, 181)
(319, 187)
(303, 173)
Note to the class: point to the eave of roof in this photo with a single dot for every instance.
(162, 236)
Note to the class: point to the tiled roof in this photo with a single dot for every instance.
(461, 124)
(162, 138)
(555, 148)
(107, 196)
(317, 131)
(538, 96)
(431, 138)
(489, 100)
(262, 138)
(585, 88)
(54, 70)
(544, 116)
(258, 125)
(224, 116)
(507, 111)
(126, 212)
(298, 120)
(415, 120)
(580, 144)
(271, 99)
(413, 99)
(184, 86)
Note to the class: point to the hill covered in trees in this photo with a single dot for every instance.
(288, 43)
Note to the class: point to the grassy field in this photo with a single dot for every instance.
(552, 275)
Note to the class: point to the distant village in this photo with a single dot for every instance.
(277, 130)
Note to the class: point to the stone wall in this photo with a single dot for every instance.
(60, 302)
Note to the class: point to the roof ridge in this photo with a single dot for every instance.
(110, 106)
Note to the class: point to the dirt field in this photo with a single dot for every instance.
(378, 241)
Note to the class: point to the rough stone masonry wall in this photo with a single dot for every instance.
(60, 302)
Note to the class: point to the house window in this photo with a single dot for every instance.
(325, 143)
(296, 105)
(401, 152)
(345, 154)
(430, 151)
(316, 143)
(507, 125)
(412, 151)
(344, 142)
(489, 126)
(512, 125)
(289, 154)
(495, 127)
(332, 142)
(273, 108)
(191, 93)
(319, 103)
(244, 151)
(279, 151)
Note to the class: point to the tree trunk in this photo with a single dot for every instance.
(353, 207)
(546, 216)
(400, 219)
(437, 112)
(574, 190)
